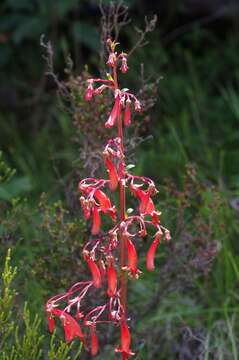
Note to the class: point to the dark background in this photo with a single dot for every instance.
(187, 142)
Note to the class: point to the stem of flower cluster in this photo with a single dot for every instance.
(123, 278)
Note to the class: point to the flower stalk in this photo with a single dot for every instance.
(111, 256)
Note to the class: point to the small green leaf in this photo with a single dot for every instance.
(109, 77)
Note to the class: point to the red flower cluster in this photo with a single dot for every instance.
(110, 255)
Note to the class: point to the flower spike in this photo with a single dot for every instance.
(110, 255)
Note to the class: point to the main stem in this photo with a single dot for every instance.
(123, 277)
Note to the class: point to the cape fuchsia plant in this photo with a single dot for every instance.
(111, 256)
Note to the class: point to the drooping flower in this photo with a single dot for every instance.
(137, 106)
(111, 59)
(146, 206)
(104, 201)
(89, 91)
(96, 220)
(95, 272)
(112, 278)
(114, 113)
(102, 268)
(71, 327)
(167, 235)
(113, 175)
(124, 66)
(100, 89)
(125, 341)
(94, 340)
(127, 113)
(51, 323)
(132, 259)
(151, 253)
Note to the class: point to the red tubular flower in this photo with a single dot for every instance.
(151, 253)
(51, 323)
(96, 221)
(137, 106)
(167, 235)
(102, 268)
(94, 341)
(127, 113)
(100, 89)
(90, 91)
(95, 272)
(112, 278)
(113, 176)
(125, 341)
(132, 259)
(111, 59)
(104, 201)
(124, 66)
(71, 327)
(50, 318)
(146, 206)
(114, 113)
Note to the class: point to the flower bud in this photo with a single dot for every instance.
(111, 59)
(127, 113)
(124, 66)
(137, 106)
(167, 235)
(90, 90)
